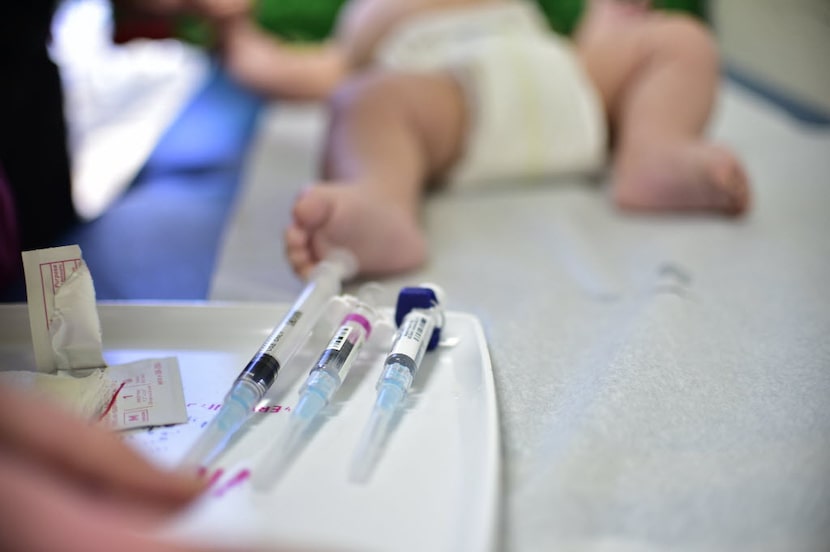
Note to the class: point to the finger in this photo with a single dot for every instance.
(46, 434)
(41, 511)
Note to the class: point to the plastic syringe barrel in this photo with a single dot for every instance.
(399, 370)
(261, 372)
(408, 349)
(236, 409)
(335, 362)
(323, 381)
(292, 332)
(420, 318)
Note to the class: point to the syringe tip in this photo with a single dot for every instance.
(204, 449)
(281, 453)
(368, 451)
(361, 468)
(390, 396)
(375, 433)
(220, 429)
(365, 457)
(309, 405)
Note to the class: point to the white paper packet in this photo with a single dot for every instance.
(66, 332)
(149, 393)
(67, 340)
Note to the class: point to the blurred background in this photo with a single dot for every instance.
(158, 133)
(783, 45)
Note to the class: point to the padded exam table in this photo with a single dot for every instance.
(663, 381)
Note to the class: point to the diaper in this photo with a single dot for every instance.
(533, 110)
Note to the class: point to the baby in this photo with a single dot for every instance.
(466, 90)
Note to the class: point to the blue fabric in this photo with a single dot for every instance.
(160, 240)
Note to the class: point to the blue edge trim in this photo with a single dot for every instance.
(797, 109)
(161, 239)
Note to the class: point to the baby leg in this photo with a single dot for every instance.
(658, 75)
(389, 135)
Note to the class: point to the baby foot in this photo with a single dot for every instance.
(694, 176)
(384, 237)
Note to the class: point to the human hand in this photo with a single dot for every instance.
(72, 486)
(68, 485)
(45, 436)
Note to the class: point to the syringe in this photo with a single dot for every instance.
(420, 317)
(258, 376)
(324, 379)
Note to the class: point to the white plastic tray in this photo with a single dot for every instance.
(436, 486)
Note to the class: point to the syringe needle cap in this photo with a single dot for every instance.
(371, 442)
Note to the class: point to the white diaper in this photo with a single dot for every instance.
(534, 110)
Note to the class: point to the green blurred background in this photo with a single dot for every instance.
(313, 20)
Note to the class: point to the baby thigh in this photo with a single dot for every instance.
(395, 115)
